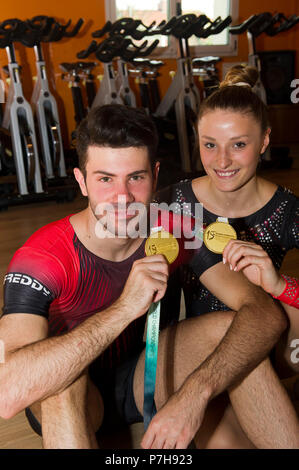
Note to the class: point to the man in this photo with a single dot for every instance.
(74, 316)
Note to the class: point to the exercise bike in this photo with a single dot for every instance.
(113, 90)
(19, 144)
(18, 118)
(254, 26)
(183, 95)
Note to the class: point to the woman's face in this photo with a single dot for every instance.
(230, 146)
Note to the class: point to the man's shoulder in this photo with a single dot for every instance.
(47, 256)
(50, 246)
(50, 236)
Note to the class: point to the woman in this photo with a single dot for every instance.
(234, 132)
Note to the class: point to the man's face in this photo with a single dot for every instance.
(115, 179)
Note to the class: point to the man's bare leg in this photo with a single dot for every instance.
(286, 357)
(220, 428)
(183, 348)
(70, 419)
(264, 409)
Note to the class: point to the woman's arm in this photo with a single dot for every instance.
(257, 266)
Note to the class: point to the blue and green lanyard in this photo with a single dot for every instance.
(151, 356)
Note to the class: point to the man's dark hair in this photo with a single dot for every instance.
(116, 126)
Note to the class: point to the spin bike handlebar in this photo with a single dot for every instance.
(42, 24)
(218, 26)
(15, 30)
(123, 48)
(151, 30)
(101, 32)
(139, 52)
(86, 52)
(74, 31)
(60, 31)
(111, 48)
(183, 23)
(140, 34)
(50, 30)
(164, 29)
(242, 27)
(255, 24)
(284, 24)
(123, 26)
(185, 26)
(11, 31)
(265, 23)
(128, 54)
(196, 27)
(45, 28)
(128, 27)
(117, 46)
(260, 25)
(32, 32)
(182, 27)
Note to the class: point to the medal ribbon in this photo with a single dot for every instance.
(150, 368)
(170, 249)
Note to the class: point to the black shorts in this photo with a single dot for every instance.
(117, 392)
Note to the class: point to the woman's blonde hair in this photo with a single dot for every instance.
(236, 93)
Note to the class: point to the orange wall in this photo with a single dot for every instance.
(93, 12)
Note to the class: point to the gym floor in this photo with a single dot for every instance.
(18, 223)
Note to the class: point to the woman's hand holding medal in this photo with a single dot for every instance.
(255, 264)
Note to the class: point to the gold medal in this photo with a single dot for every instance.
(217, 235)
(161, 242)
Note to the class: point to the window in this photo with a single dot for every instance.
(158, 10)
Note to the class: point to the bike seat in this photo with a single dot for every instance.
(156, 64)
(140, 62)
(68, 66)
(86, 65)
(205, 60)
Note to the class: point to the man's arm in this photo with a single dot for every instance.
(44, 368)
(256, 327)
(33, 371)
